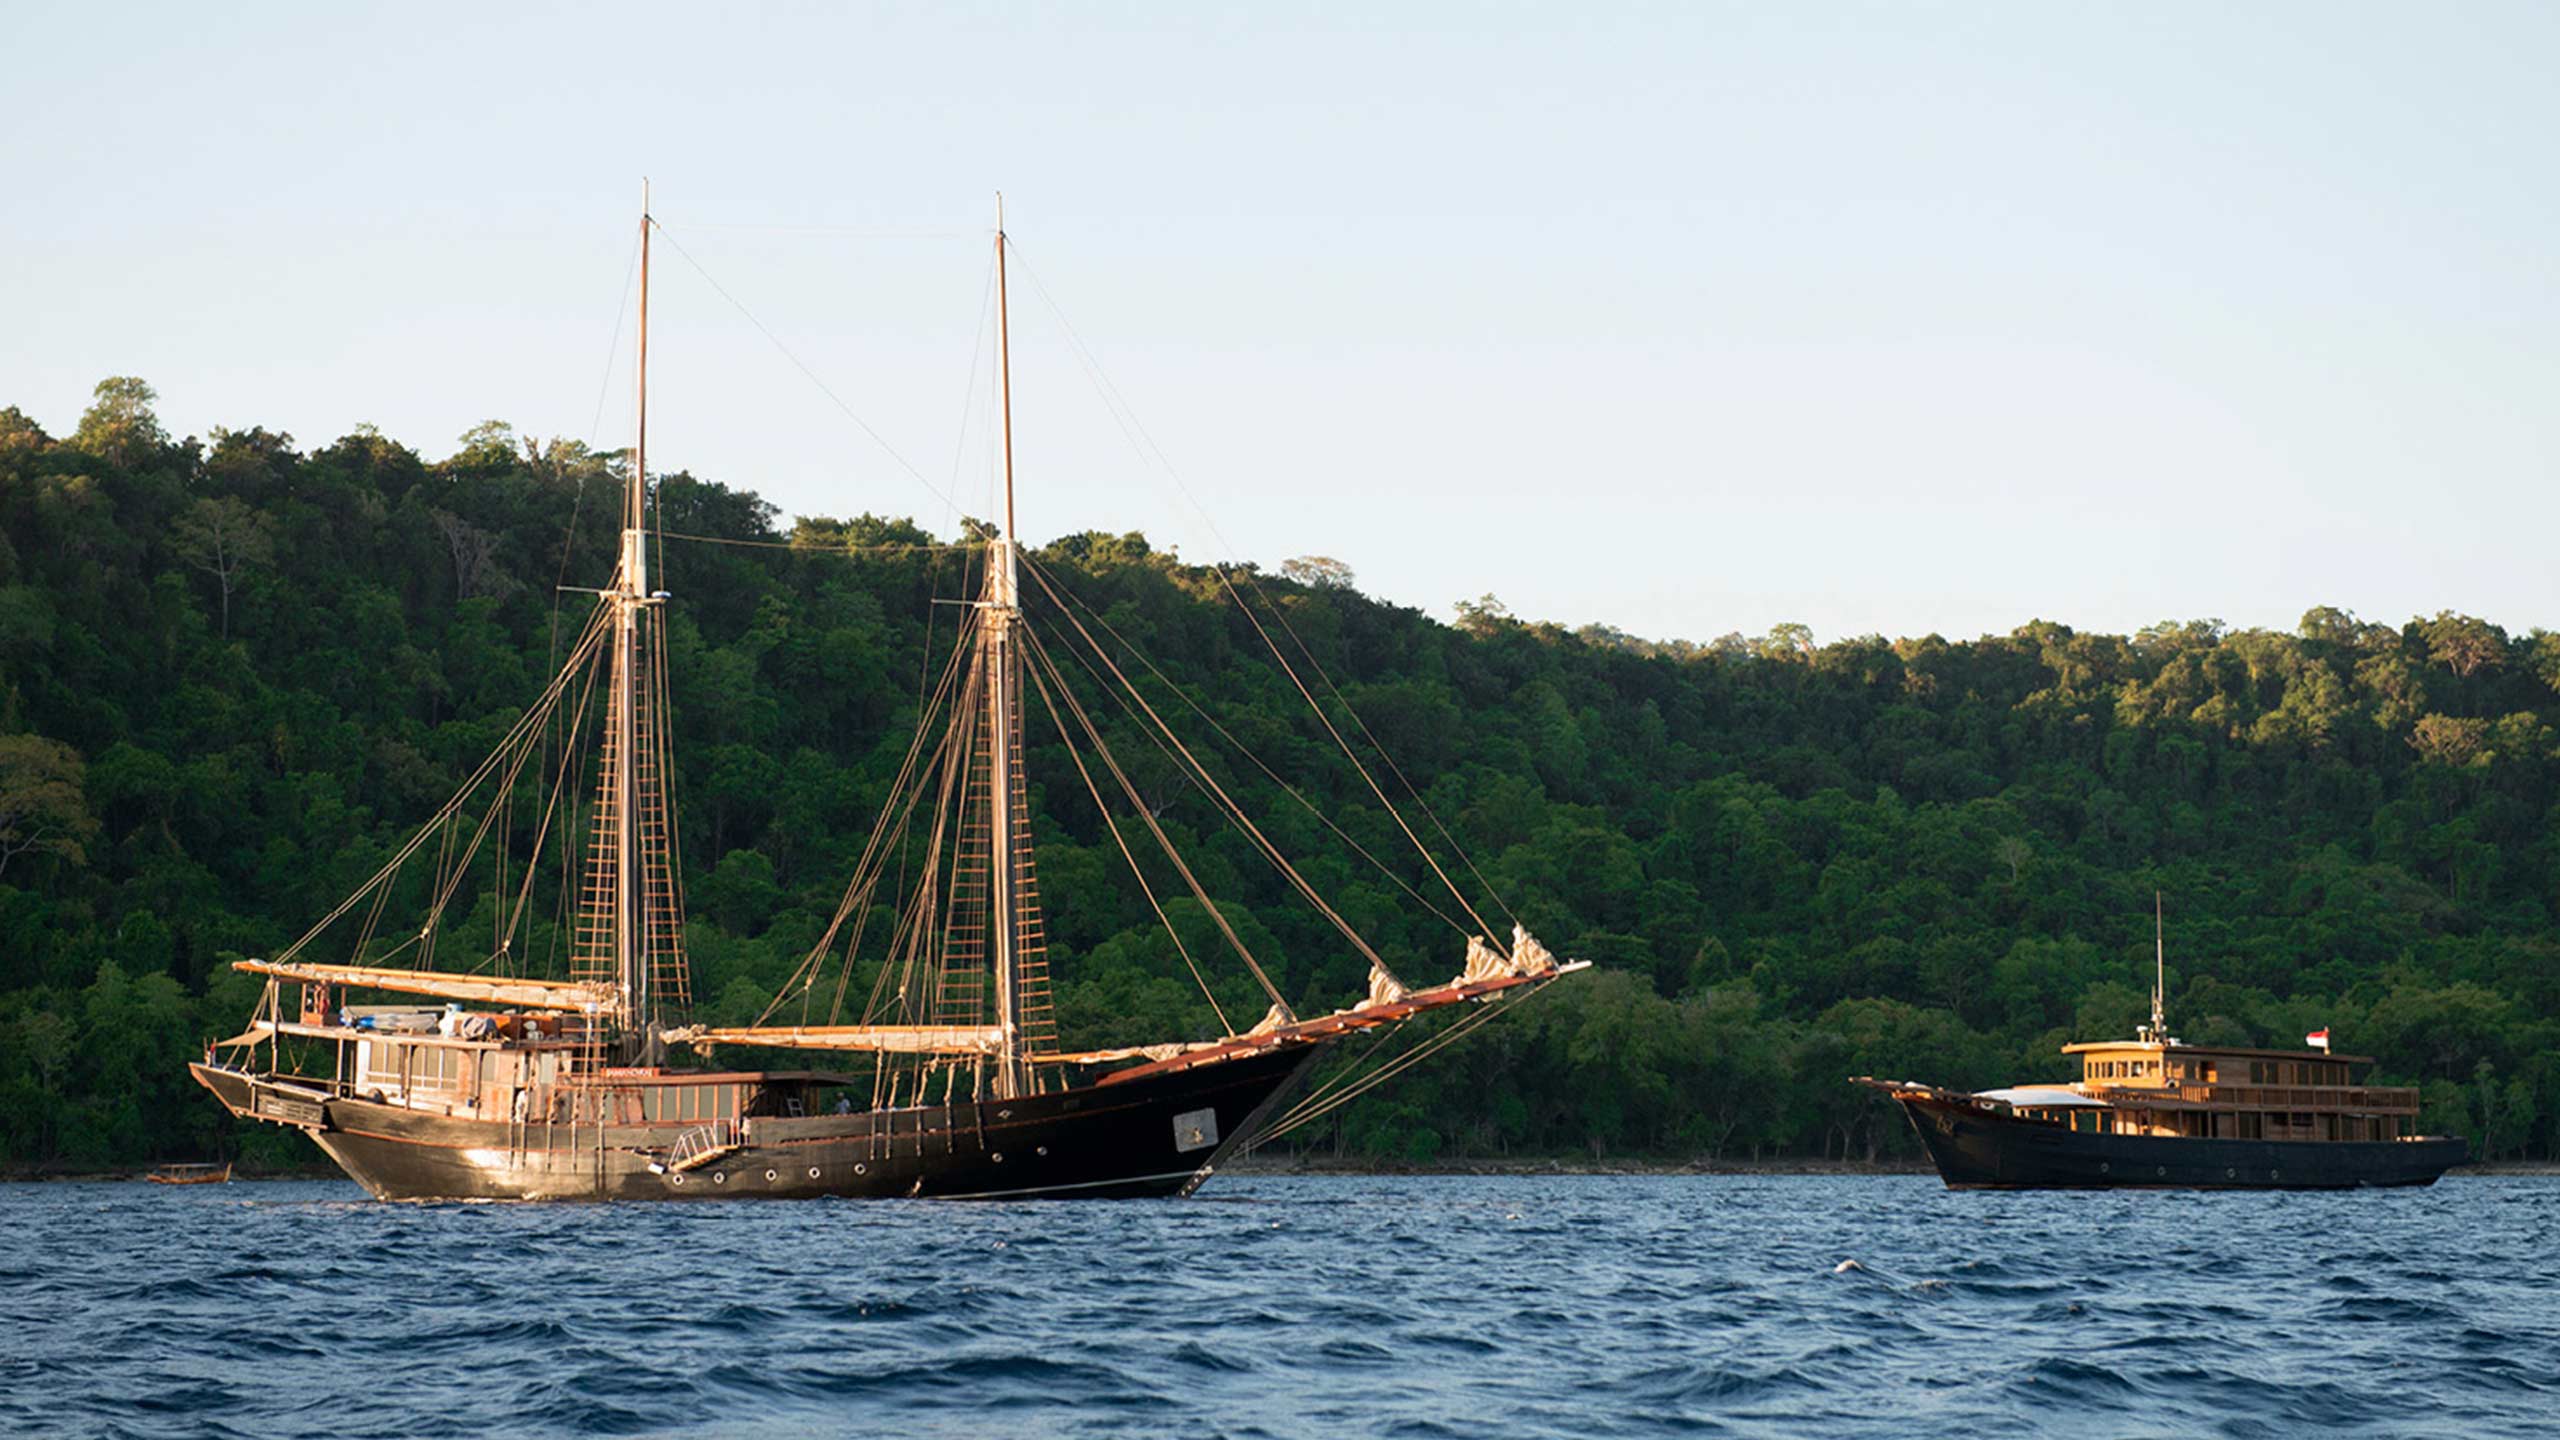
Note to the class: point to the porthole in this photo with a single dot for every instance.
(2231, 1174)
(721, 1178)
(2104, 1167)
(772, 1175)
(2159, 1169)
(1040, 1150)
(813, 1172)
(859, 1167)
(999, 1157)
(679, 1179)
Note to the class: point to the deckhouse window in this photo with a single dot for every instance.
(683, 1104)
(400, 1068)
(434, 1067)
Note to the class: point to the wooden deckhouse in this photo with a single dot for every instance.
(2169, 1088)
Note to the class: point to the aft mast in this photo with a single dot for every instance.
(628, 595)
(995, 619)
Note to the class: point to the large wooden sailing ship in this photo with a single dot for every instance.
(509, 1083)
(2155, 1112)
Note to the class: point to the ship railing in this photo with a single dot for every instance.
(2363, 1099)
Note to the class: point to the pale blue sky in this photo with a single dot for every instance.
(1683, 318)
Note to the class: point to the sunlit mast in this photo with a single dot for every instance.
(630, 592)
(995, 621)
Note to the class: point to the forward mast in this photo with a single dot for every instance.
(630, 934)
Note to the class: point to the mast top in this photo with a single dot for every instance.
(2159, 972)
(636, 499)
(1004, 368)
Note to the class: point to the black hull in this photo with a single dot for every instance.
(1153, 1137)
(1979, 1149)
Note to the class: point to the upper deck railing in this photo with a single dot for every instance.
(2190, 1095)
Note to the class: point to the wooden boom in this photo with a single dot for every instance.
(568, 995)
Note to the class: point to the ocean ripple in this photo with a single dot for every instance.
(1285, 1307)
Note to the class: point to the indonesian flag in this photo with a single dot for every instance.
(2319, 1037)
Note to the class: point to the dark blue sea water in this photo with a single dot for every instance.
(1290, 1306)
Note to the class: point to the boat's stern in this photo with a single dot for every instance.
(276, 1100)
(229, 1086)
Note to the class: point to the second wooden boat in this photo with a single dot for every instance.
(2155, 1112)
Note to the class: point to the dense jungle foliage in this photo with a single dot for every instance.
(235, 674)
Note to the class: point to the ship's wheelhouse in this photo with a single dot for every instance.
(2229, 1093)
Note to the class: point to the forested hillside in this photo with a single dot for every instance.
(235, 673)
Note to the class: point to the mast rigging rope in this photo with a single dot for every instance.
(798, 364)
(1144, 442)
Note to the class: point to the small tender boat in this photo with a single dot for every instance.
(191, 1174)
(2157, 1113)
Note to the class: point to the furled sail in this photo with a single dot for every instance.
(875, 1039)
(1527, 957)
